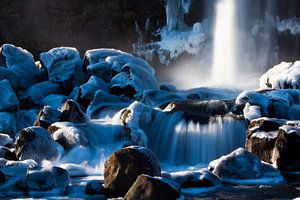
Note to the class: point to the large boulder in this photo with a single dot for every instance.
(26, 118)
(10, 76)
(286, 154)
(71, 112)
(89, 88)
(46, 179)
(21, 62)
(148, 188)
(124, 166)
(7, 124)
(35, 94)
(36, 143)
(239, 164)
(64, 66)
(9, 101)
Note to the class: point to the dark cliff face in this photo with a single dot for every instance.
(41, 25)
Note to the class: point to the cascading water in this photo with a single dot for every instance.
(180, 142)
(224, 53)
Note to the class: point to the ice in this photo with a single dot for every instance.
(251, 112)
(89, 88)
(292, 25)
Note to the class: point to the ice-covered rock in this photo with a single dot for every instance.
(35, 94)
(64, 66)
(47, 116)
(158, 98)
(286, 154)
(125, 165)
(45, 179)
(283, 76)
(71, 112)
(2, 178)
(199, 178)
(54, 100)
(9, 101)
(10, 76)
(239, 164)
(98, 55)
(103, 100)
(7, 124)
(36, 143)
(251, 112)
(5, 139)
(147, 188)
(89, 88)
(7, 153)
(21, 62)
(94, 187)
(26, 118)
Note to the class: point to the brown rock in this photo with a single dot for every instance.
(47, 116)
(71, 112)
(124, 166)
(148, 188)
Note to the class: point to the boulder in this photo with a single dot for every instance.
(123, 167)
(94, 187)
(199, 178)
(10, 76)
(20, 62)
(89, 88)
(26, 118)
(7, 124)
(286, 154)
(47, 116)
(54, 100)
(148, 188)
(46, 179)
(35, 94)
(64, 66)
(239, 164)
(9, 101)
(36, 143)
(7, 153)
(2, 178)
(71, 112)
(261, 136)
(5, 139)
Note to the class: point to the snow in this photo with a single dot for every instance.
(251, 112)
(97, 55)
(9, 101)
(282, 76)
(290, 129)
(292, 25)
(263, 134)
(254, 98)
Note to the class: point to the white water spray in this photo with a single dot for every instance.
(224, 51)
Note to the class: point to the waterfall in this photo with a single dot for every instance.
(180, 142)
(224, 52)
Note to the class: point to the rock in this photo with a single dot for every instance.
(7, 124)
(10, 76)
(123, 167)
(261, 136)
(54, 100)
(239, 164)
(46, 179)
(64, 66)
(200, 178)
(7, 153)
(286, 154)
(94, 187)
(251, 112)
(159, 98)
(165, 86)
(5, 139)
(103, 100)
(89, 88)
(147, 188)
(2, 178)
(36, 143)
(26, 118)
(71, 112)
(9, 101)
(47, 116)
(283, 76)
(35, 94)
(21, 62)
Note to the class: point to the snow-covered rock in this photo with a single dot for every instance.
(54, 100)
(5, 139)
(147, 187)
(125, 165)
(9, 101)
(97, 55)
(50, 178)
(26, 118)
(7, 124)
(239, 164)
(283, 76)
(10, 76)
(157, 98)
(21, 62)
(64, 66)
(35, 94)
(89, 88)
(36, 143)
(251, 112)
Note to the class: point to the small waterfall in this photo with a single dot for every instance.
(224, 53)
(180, 142)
